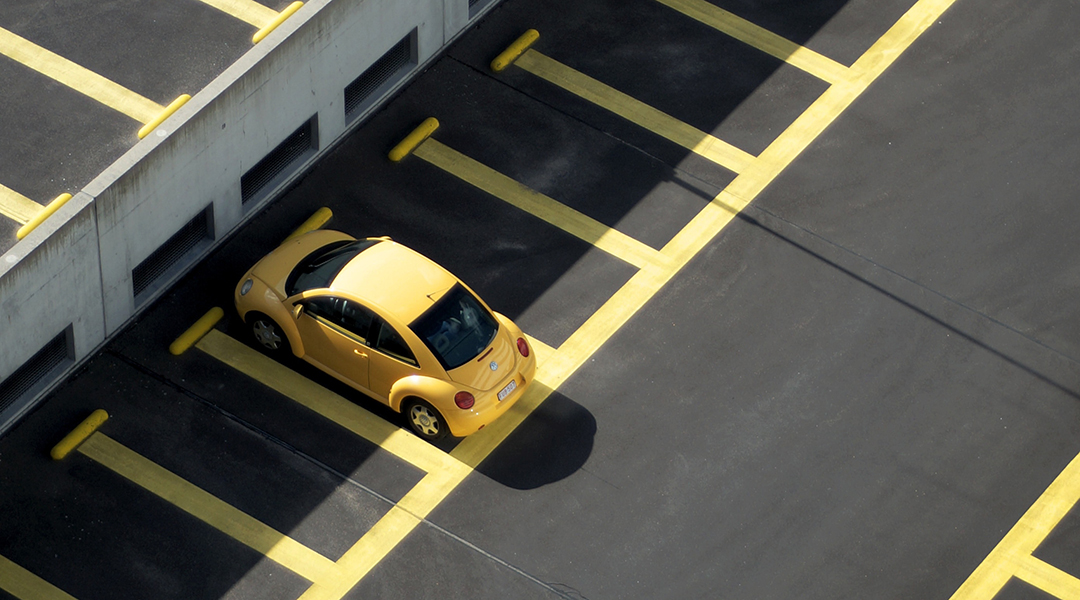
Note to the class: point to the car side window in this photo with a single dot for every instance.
(346, 314)
(325, 307)
(356, 318)
(391, 343)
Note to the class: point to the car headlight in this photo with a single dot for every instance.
(246, 287)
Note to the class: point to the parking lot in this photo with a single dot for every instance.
(799, 282)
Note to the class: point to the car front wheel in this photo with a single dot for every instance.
(425, 421)
(268, 334)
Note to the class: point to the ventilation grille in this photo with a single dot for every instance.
(27, 376)
(165, 257)
(386, 70)
(274, 164)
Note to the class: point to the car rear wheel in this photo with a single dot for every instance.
(268, 334)
(425, 421)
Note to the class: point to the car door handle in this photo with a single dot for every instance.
(359, 353)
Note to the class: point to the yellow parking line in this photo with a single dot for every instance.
(543, 351)
(1013, 553)
(1048, 578)
(17, 207)
(635, 111)
(558, 214)
(758, 37)
(218, 514)
(302, 390)
(78, 78)
(388, 532)
(249, 11)
(24, 585)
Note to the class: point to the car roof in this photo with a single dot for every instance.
(398, 280)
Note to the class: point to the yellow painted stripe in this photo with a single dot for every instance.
(207, 508)
(635, 111)
(1048, 578)
(758, 37)
(78, 78)
(543, 351)
(302, 390)
(249, 11)
(388, 533)
(17, 207)
(558, 214)
(1024, 538)
(24, 585)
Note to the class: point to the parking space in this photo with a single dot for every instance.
(83, 78)
(742, 390)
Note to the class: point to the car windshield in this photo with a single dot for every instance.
(320, 267)
(457, 328)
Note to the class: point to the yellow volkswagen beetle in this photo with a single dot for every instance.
(391, 323)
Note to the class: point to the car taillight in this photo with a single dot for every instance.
(523, 348)
(464, 400)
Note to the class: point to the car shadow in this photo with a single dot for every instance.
(551, 444)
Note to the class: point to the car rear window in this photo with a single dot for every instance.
(457, 328)
(320, 267)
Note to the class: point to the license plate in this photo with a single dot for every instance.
(506, 391)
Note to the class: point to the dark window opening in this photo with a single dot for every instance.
(281, 161)
(381, 76)
(170, 255)
(36, 370)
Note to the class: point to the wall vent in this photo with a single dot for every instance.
(391, 68)
(35, 372)
(168, 258)
(281, 162)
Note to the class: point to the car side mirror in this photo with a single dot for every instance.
(297, 310)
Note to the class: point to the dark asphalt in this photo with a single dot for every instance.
(854, 391)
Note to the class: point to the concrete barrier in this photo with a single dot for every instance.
(117, 245)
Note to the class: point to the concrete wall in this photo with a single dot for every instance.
(75, 271)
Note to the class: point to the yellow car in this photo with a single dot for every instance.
(392, 324)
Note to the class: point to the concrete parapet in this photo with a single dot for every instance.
(81, 275)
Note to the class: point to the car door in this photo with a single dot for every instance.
(335, 335)
(391, 359)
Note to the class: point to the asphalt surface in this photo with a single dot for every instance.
(855, 390)
(57, 140)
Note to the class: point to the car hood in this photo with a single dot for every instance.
(478, 374)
